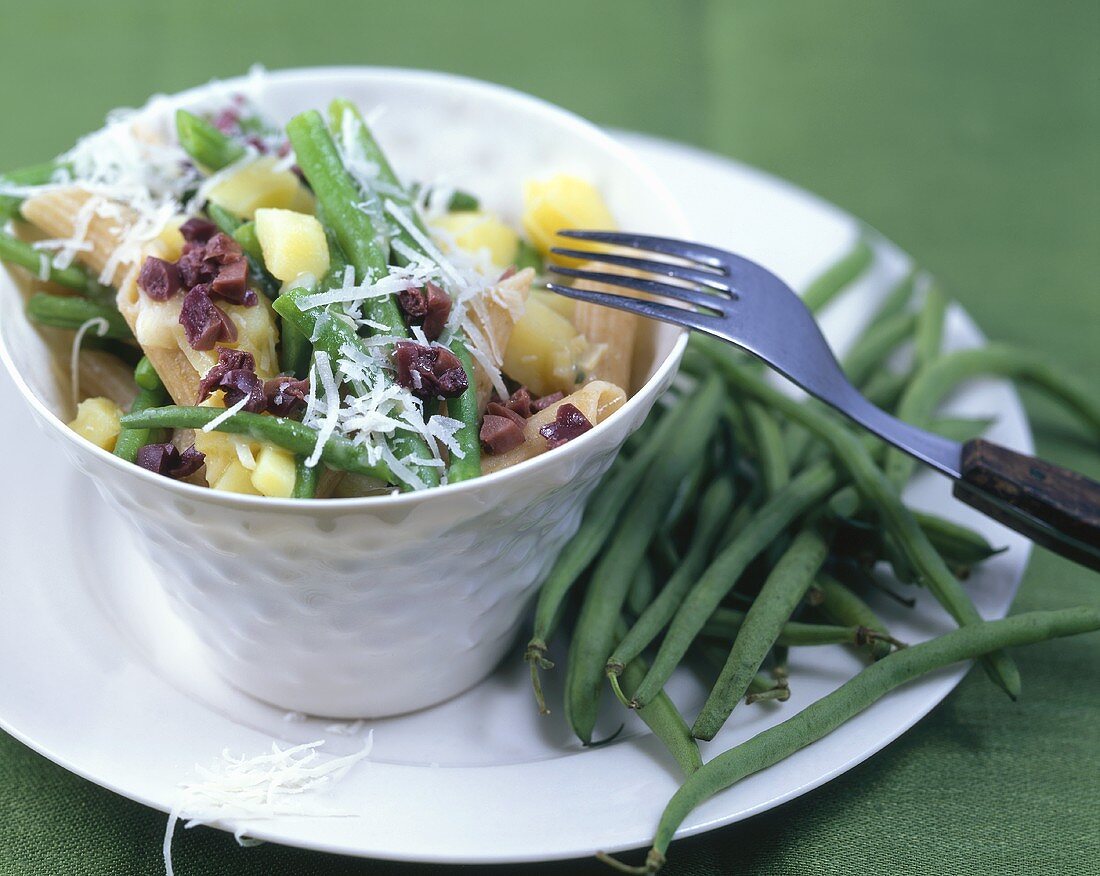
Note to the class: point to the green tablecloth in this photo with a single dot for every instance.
(966, 131)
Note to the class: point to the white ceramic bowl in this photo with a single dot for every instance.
(375, 606)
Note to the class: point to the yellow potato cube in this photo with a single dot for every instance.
(220, 450)
(562, 201)
(255, 185)
(274, 472)
(543, 349)
(293, 244)
(97, 420)
(474, 231)
(170, 241)
(236, 479)
(557, 303)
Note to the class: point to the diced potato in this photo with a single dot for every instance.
(474, 231)
(97, 420)
(303, 202)
(562, 201)
(219, 448)
(543, 350)
(274, 472)
(293, 244)
(558, 303)
(236, 479)
(255, 185)
(170, 240)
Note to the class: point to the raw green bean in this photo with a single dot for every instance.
(960, 545)
(725, 623)
(686, 493)
(929, 328)
(131, 440)
(838, 276)
(770, 451)
(843, 606)
(338, 453)
(145, 375)
(330, 334)
(778, 598)
(875, 488)
(206, 145)
(897, 299)
(713, 511)
(822, 717)
(642, 589)
(761, 530)
(21, 253)
(663, 718)
(305, 479)
(37, 175)
(867, 355)
(71, 312)
(594, 633)
(940, 377)
(885, 388)
(599, 520)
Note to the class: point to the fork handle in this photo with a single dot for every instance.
(1054, 506)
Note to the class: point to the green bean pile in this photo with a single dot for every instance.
(739, 522)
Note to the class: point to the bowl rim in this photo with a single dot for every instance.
(395, 499)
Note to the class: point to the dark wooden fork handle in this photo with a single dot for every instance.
(1053, 506)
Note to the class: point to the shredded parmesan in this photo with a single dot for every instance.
(101, 327)
(239, 789)
(225, 415)
(322, 368)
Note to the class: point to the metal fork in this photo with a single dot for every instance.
(740, 302)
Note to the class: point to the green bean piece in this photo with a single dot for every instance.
(226, 220)
(822, 717)
(71, 312)
(713, 511)
(867, 355)
(594, 632)
(686, 492)
(208, 147)
(761, 530)
(876, 488)
(843, 606)
(21, 253)
(839, 276)
(131, 440)
(338, 453)
(770, 450)
(36, 175)
(305, 479)
(933, 382)
(778, 598)
(145, 375)
(642, 589)
(464, 408)
(529, 257)
(232, 224)
(663, 718)
(930, 325)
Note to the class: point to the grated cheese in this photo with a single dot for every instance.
(101, 328)
(225, 415)
(241, 789)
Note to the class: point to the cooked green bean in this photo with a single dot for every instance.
(305, 479)
(771, 609)
(330, 333)
(151, 394)
(36, 175)
(930, 324)
(464, 409)
(843, 606)
(458, 202)
(208, 147)
(838, 276)
(338, 453)
(599, 520)
(18, 252)
(71, 312)
(875, 488)
(232, 224)
(822, 717)
(941, 376)
(713, 511)
(759, 531)
(145, 375)
(594, 632)
(529, 257)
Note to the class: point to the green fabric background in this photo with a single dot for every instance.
(966, 131)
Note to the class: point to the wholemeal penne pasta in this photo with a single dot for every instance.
(291, 278)
(597, 401)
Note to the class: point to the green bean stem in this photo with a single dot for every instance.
(594, 634)
(779, 596)
(843, 606)
(851, 698)
(338, 453)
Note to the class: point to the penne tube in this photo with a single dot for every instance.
(613, 331)
(490, 323)
(596, 400)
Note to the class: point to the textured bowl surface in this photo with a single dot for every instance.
(372, 607)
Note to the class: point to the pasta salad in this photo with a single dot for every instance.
(273, 311)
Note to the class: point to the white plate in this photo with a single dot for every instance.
(481, 778)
